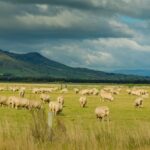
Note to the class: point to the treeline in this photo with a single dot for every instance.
(142, 80)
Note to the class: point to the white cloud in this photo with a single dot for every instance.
(88, 33)
(64, 19)
(121, 43)
(42, 7)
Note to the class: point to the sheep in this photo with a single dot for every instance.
(76, 90)
(112, 90)
(115, 92)
(14, 89)
(138, 103)
(35, 90)
(146, 95)
(17, 102)
(35, 105)
(3, 100)
(2, 89)
(55, 107)
(45, 90)
(106, 96)
(14, 101)
(95, 91)
(83, 101)
(65, 90)
(60, 100)
(24, 103)
(55, 88)
(108, 89)
(85, 92)
(22, 92)
(101, 112)
(45, 98)
(137, 92)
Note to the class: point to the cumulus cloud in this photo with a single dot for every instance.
(46, 21)
(134, 8)
(100, 54)
(98, 34)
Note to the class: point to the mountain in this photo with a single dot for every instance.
(35, 65)
(140, 72)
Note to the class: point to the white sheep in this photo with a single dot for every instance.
(14, 101)
(3, 100)
(76, 90)
(22, 92)
(85, 92)
(95, 91)
(65, 90)
(14, 89)
(2, 89)
(106, 96)
(55, 107)
(45, 98)
(35, 105)
(83, 101)
(60, 100)
(138, 103)
(102, 112)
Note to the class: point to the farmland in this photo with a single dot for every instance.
(74, 128)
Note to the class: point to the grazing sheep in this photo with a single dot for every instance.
(115, 92)
(108, 89)
(55, 107)
(83, 101)
(45, 98)
(35, 91)
(95, 91)
(21, 92)
(65, 90)
(17, 102)
(41, 90)
(137, 92)
(35, 105)
(85, 92)
(76, 90)
(3, 100)
(146, 95)
(112, 90)
(2, 89)
(14, 101)
(102, 112)
(24, 103)
(106, 96)
(60, 100)
(138, 103)
(55, 88)
(14, 89)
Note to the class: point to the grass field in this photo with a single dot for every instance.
(76, 128)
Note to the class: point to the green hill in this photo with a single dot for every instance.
(37, 66)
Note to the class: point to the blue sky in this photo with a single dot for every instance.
(97, 34)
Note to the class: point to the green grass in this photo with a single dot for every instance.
(128, 128)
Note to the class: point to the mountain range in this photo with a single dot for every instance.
(37, 66)
(140, 72)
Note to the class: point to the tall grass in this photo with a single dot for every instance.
(69, 136)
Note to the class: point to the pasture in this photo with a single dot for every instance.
(76, 128)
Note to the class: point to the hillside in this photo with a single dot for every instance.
(37, 66)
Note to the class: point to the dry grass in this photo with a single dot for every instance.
(99, 136)
(76, 128)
